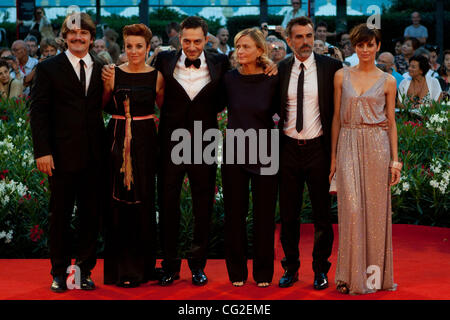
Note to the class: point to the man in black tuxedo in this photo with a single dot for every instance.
(305, 122)
(192, 93)
(68, 137)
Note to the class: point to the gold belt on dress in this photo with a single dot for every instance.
(362, 125)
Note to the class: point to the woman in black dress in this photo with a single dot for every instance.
(251, 101)
(130, 224)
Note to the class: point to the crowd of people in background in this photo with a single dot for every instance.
(44, 40)
(292, 71)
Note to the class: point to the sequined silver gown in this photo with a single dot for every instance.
(363, 192)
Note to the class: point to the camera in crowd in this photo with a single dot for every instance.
(331, 51)
(12, 58)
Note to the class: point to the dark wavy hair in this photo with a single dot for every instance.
(4, 63)
(424, 64)
(194, 22)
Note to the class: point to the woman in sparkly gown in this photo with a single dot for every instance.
(365, 161)
(130, 226)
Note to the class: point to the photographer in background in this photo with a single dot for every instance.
(6, 54)
(335, 53)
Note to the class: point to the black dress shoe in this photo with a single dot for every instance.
(320, 281)
(288, 279)
(87, 283)
(59, 284)
(155, 275)
(199, 278)
(168, 278)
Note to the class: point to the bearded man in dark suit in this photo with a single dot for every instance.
(307, 108)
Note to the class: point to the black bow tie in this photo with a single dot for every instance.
(196, 63)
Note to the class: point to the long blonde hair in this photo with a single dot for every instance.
(260, 42)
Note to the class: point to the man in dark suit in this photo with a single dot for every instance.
(305, 122)
(68, 137)
(192, 78)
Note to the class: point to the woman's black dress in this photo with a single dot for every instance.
(130, 224)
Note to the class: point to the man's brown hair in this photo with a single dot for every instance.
(86, 23)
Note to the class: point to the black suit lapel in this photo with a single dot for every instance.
(173, 62)
(211, 66)
(285, 77)
(172, 65)
(96, 74)
(320, 81)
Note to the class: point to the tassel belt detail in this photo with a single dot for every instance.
(127, 167)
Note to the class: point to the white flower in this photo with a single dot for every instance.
(446, 176)
(434, 184)
(436, 168)
(8, 237)
(405, 186)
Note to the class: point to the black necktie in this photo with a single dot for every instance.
(82, 76)
(301, 80)
(196, 63)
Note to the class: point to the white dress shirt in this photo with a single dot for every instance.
(192, 79)
(312, 127)
(88, 66)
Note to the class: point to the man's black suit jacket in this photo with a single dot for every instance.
(66, 123)
(178, 111)
(326, 68)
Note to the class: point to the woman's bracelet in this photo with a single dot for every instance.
(396, 164)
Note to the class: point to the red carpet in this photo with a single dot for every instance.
(421, 270)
